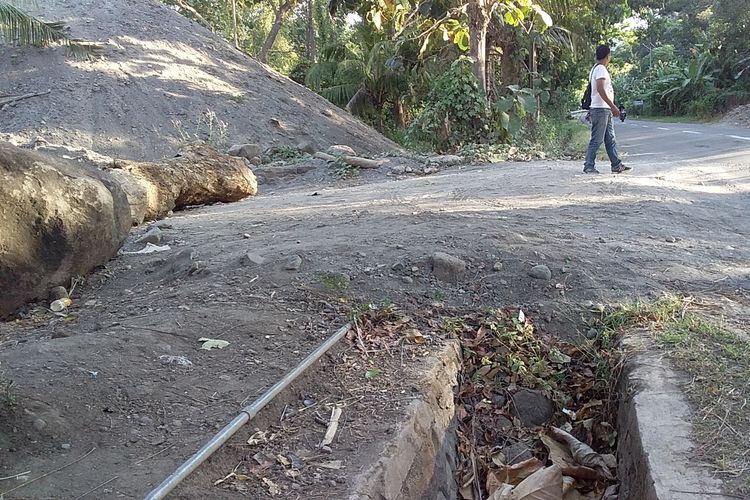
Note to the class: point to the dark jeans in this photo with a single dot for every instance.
(602, 130)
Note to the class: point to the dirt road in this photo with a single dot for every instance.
(97, 379)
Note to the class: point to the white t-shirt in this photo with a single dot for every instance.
(601, 73)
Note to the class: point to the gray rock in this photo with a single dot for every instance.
(307, 147)
(408, 280)
(498, 266)
(57, 293)
(541, 272)
(341, 150)
(504, 422)
(251, 259)
(446, 160)
(153, 235)
(59, 219)
(398, 169)
(65, 446)
(447, 267)
(293, 263)
(40, 424)
(532, 407)
(248, 151)
(517, 452)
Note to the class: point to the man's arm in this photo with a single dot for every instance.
(603, 93)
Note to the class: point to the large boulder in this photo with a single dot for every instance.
(199, 175)
(57, 220)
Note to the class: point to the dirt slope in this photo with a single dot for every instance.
(159, 68)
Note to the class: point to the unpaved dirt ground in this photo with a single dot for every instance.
(95, 381)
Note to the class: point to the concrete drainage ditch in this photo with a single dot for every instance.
(425, 458)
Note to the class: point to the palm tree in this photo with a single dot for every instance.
(21, 29)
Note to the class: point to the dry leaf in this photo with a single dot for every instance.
(499, 459)
(544, 484)
(502, 493)
(582, 453)
(209, 344)
(467, 493)
(569, 484)
(514, 474)
(273, 488)
(581, 472)
(558, 454)
(283, 460)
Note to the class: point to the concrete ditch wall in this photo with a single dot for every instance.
(655, 445)
(419, 462)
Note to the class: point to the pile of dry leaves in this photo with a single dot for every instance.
(500, 457)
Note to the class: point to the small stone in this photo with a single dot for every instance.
(164, 225)
(248, 151)
(517, 452)
(226, 378)
(332, 483)
(177, 423)
(671, 239)
(447, 267)
(157, 441)
(293, 263)
(498, 266)
(65, 446)
(532, 408)
(57, 293)
(307, 147)
(153, 236)
(251, 259)
(504, 422)
(40, 424)
(326, 449)
(246, 236)
(408, 280)
(592, 334)
(541, 272)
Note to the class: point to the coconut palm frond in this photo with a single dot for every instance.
(21, 29)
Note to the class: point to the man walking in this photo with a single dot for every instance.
(603, 110)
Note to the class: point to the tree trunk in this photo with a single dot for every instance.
(277, 22)
(478, 23)
(534, 76)
(234, 24)
(312, 49)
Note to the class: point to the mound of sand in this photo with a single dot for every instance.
(163, 79)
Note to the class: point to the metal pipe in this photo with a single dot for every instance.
(245, 415)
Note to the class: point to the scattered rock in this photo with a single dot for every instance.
(398, 169)
(65, 446)
(57, 293)
(153, 235)
(40, 424)
(408, 280)
(517, 452)
(446, 160)
(671, 239)
(498, 266)
(251, 259)
(59, 219)
(340, 150)
(293, 263)
(307, 147)
(248, 151)
(447, 267)
(164, 225)
(504, 422)
(541, 272)
(532, 407)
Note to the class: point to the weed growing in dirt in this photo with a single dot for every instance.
(209, 128)
(343, 170)
(7, 394)
(718, 364)
(335, 283)
(284, 154)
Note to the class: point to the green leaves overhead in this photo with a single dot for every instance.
(21, 29)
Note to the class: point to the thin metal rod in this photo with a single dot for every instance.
(245, 415)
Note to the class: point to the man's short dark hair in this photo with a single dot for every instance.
(602, 51)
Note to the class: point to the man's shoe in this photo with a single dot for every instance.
(590, 171)
(621, 168)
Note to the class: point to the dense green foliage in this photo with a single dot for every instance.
(686, 57)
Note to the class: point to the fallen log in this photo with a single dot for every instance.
(200, 175)
(354, 161)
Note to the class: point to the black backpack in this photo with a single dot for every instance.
(586, 101)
